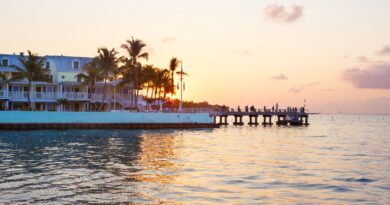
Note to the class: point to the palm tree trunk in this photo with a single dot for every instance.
(147, 90)
(104, 95)
(159, 94)
(173, 84)
(28, 95)
(155, 95)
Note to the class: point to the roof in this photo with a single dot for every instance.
(65, 63)
(12, 60)
(62, 63)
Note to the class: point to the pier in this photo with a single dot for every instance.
(285, 117)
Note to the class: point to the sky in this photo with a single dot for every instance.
(333, 54)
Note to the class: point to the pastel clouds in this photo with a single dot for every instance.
(373, 76)
(280, 77)
(284, 14)
(385, 50)
(303, 87)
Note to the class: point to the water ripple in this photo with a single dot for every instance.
(320, 164)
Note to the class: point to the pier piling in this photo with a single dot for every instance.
(284, 117)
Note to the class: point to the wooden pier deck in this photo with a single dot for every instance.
(284, 117)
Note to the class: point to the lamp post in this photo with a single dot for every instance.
(181, 73)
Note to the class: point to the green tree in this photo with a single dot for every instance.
(173, 64)
(3, 76)
(32, 68)
(147, 75)
(101, 68)
(135, 50)
(161, 81)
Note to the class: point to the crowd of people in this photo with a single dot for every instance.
(273, 109)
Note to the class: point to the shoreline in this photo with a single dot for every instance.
(33, 120)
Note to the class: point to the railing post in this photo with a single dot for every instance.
(6, 90)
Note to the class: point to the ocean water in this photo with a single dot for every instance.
(338, 159)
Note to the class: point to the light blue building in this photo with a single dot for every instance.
(64, 85)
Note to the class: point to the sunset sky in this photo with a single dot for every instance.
(335, 54)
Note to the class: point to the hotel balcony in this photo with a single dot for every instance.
(72, 96)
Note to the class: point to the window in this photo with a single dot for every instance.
(4, 62)
(16, 88)
(76, 64)
(49, 89)
(47, 64)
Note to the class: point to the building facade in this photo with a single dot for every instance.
(64, 92)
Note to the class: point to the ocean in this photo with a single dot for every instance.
(338, 159)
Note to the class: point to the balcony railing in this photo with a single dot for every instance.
(43, 95)
(18, 94)
(75, 95)
(93, 97)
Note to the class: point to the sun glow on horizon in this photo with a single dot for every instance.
(266, 52)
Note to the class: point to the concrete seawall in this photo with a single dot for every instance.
(26, 120)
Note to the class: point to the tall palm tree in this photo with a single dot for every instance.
(107, 63)
(147, 75)
(162, 78)
(173, 64)
(33, 70)
(101, 68)
(90, 75)
(134, 48)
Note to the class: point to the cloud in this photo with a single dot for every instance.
(384, 51)
(283, 14)
(362, 59)
(374, 76)
(303, 87)
(168, 39)
(328, 89)
(280, 77)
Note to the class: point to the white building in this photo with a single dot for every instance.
(64, 92)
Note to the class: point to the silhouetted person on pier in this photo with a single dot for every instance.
(246, 108)
(265, 109)
(277, 107)
(239, 109)
(273, 108)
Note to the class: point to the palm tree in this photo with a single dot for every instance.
(90, 75)
(173, 64)
(33, 70)
(107, 63)
(3, 76)
(162, 78)
(147, 75)
(101, 68)
(134, 48)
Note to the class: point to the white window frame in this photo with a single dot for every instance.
(76, 60)
(4, 58)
